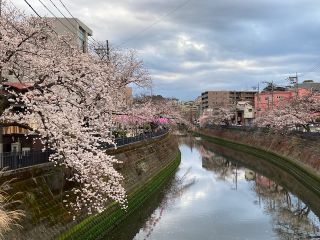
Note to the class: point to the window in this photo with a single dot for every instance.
(82, 39)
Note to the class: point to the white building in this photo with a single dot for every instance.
(245, 113)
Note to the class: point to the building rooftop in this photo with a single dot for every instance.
(315, 86)
(17, 85)
(71, 23)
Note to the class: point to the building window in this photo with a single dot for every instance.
(82, 39)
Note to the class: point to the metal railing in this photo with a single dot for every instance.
(121, 141)
(16, 160)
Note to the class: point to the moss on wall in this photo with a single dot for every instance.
(43, 188)
(304, 150)
(97, 226)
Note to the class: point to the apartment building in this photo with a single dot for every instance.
(75, 28)
(64, 26)
(266, 101)
(227, 99)
(190, 110)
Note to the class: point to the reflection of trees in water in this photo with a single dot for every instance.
(175, 190)
(220, 165)
(190, 141)
(291, 218)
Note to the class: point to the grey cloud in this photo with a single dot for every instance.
(209, 44)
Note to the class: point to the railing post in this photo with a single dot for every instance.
(15, 161)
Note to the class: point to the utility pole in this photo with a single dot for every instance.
(272, 89)
(108, 50)
(258, 100)
(297, 85)
(103, 51)
(258, 95)
(235, 108)
(272, 94)
(257, 104)
(295, 81)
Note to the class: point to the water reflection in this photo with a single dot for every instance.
(222, 194)
(291, 217)
(177, 188)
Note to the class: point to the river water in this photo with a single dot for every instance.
(218, 193)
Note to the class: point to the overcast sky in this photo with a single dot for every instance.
(197, 45)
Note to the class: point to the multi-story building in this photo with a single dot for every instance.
(269, 100)
(310, 85)
(74, 27)
(226, 99)
(64, 26)
(190, 110)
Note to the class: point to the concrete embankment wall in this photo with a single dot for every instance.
(146, 166)
(304, 150)
(268, 169)
(272, 148)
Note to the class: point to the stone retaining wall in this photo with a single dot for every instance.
(302, 172)
(292, 147)
(145, 164)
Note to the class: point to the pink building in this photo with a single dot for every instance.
(265, 101)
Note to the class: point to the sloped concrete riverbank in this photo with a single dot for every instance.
(297, 168)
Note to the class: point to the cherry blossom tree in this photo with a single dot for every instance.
(300, 111)
(216, 117)
(71, 99)
(145, 110)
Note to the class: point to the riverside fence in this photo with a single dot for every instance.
(16, 160)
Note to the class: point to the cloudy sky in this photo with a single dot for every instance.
(197, 45)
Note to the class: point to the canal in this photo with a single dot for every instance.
(218, 193)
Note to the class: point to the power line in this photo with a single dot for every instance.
(64, 6)
(41, 18)
(75, 34)
(32, 9)
(57, 18)
(155, 22)
(65, 16)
